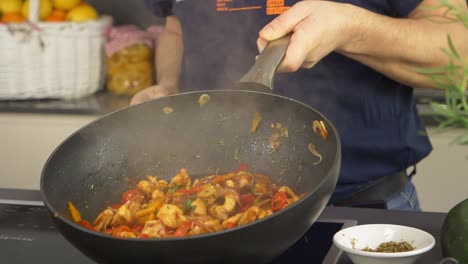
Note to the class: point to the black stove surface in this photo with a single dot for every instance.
(27, 235)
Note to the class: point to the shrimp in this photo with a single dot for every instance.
(204, 224)
(146, 187)
(182, 179)
(153, 179)
(245, 179)
(199, 207)
(207, 192)
(223, 211)
(122, 217)
(250, 215)
(135, 203)
(158, 195)
(265, 213)
(154, 228)
(103, 220)
(231, 183)
(157, 183)
(171, 216)
(125, 234)
(292, 197)
(232, 220)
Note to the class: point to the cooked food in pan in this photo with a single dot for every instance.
(182, 207)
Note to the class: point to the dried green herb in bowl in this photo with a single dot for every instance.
(391, 247)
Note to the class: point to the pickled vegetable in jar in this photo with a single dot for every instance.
(130, 57)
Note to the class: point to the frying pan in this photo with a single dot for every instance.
(97, 163)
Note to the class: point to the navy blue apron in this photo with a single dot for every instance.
(376, 117)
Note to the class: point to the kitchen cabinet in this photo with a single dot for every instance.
(26, 142)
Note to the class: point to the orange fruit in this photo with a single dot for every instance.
(12, 18)
(54, 19)
(57, 15)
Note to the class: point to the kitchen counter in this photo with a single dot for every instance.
(427, 221)
(103, 103)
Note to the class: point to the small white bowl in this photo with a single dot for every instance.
(353, 239)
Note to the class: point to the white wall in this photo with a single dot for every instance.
(26, 141)
(442, 179)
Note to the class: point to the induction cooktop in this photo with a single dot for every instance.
(27, 235)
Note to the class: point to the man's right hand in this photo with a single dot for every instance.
(152, 92)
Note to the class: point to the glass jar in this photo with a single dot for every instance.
(130, 69)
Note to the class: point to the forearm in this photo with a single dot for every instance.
(395, 47)
(169, 55)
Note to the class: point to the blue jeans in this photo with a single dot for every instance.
(406, 200)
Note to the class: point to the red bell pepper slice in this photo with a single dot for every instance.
(230, 225)
(194, 190)
(243, 167)
(126, 196)
(86, 225)
(278, 201)
(246, 199)
(137, 228)
(115, 206)
(183, 229)
(144, 236)
(117, 230)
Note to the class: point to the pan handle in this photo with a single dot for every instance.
(263, 71)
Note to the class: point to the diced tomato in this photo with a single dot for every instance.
(116, 206)
(128, 195)
(230, 225)
(194, 190)
(183, 229)
(278, 201)
(86, 224)
(247, 198)
(243, 167)
(144, 236)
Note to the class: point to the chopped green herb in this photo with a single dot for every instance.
(174, 188)
(187, 203)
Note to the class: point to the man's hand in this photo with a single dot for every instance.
(318, 27)
(152, 92)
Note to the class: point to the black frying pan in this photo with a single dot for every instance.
(96, 164)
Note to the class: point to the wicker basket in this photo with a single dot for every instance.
(63, 60)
